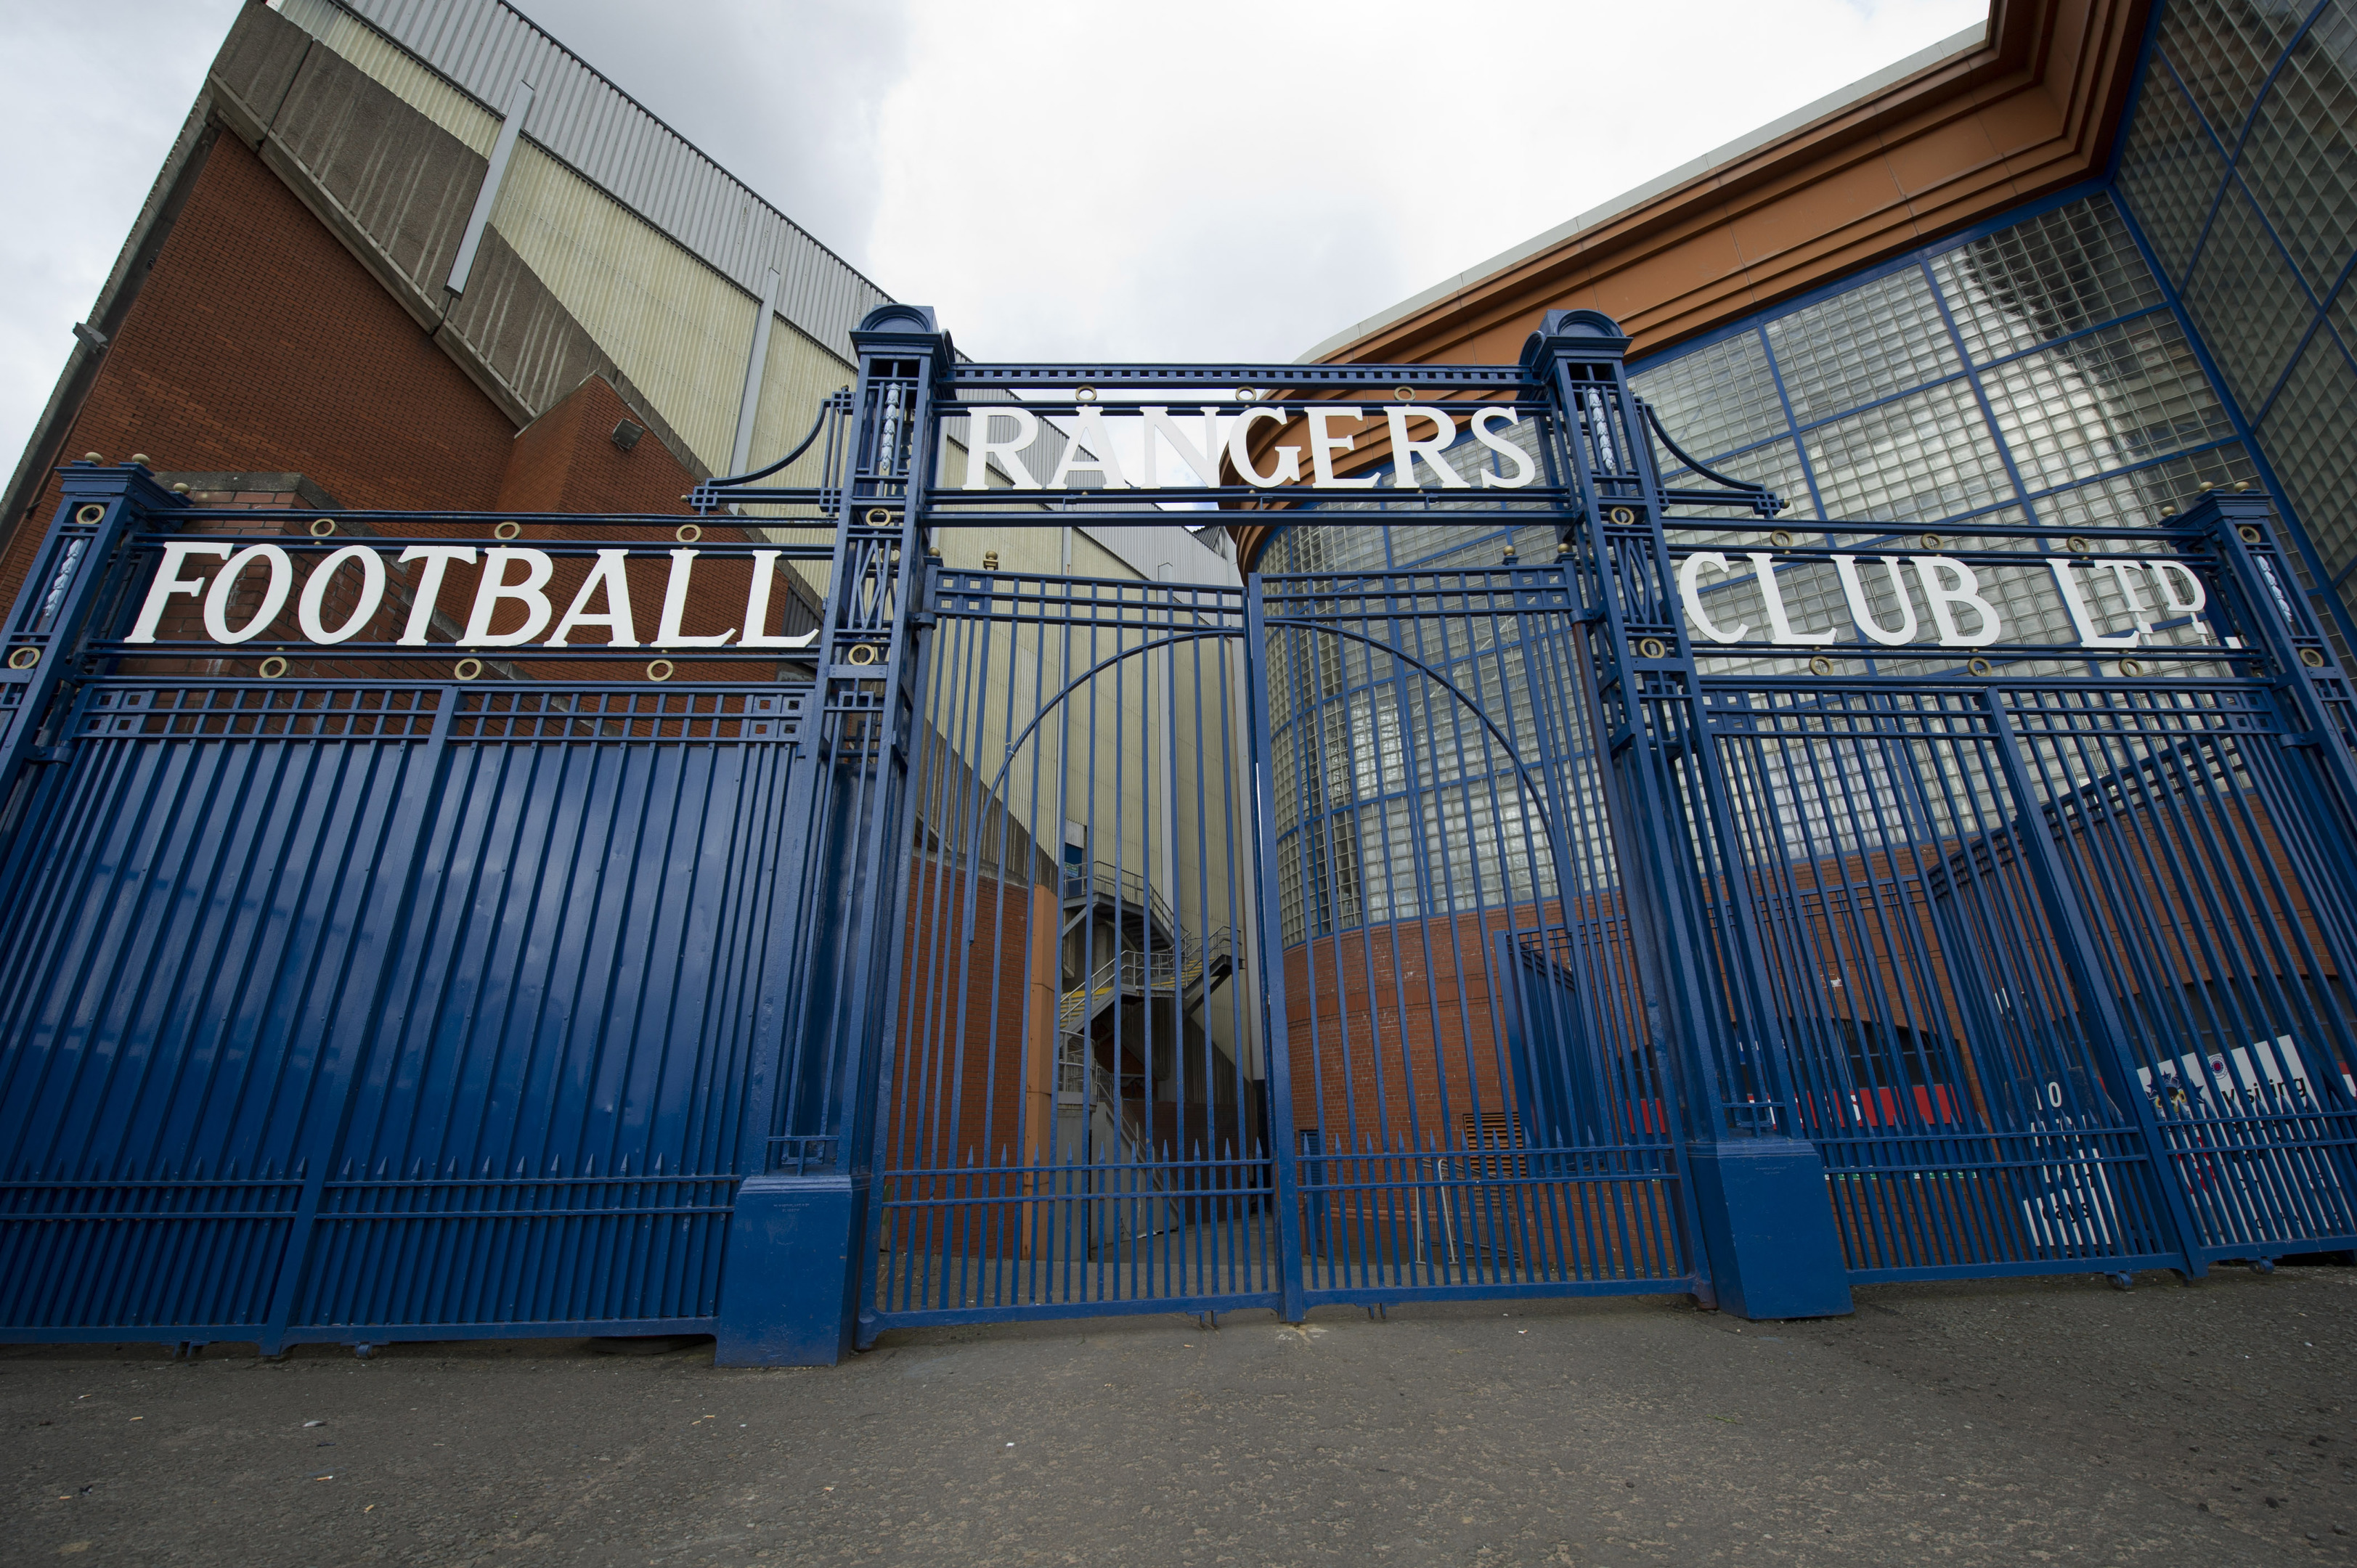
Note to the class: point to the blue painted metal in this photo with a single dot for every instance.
(1054, 946)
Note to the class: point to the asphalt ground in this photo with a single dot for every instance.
(1998, 1422)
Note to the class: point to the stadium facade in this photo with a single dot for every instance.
(1789, 731)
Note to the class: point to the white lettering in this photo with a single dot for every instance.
(1779, 625)
(1524, 471)
(273, 598)
(2120, 570)
(756, 609)
(314, 594)
(1862, 611)
(979, 454)
(2164, 575)
(1690, 591)
(1405, 451)
(1288, 458)
(160, 593)
(494, 588)
(668, 634)
(612, 575)
(2067, 580)
(1965, 591)
(1089, 435)
(437, 559)
(1204, 459)
(1323, 444)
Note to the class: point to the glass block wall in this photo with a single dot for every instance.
(2037, 373)
(2240, 167)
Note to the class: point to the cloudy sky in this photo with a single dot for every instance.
(1199, 181)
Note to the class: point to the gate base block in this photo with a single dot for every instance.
(1769, 1225)
(787, 1285)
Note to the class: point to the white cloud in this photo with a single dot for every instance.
(1217, 180)
(1235, 181)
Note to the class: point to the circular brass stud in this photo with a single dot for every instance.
(509, 529)
(1247, 394)
(861, 653)
(1652, 648)
(1404, 394)
(143, 459)
(2313, 657)
(2248, 534)
(93, 457)
(1821, 666)
(89, 516)
(271, 668)
(2130, 668)
(1621, 516)
(1981, 668)
(24, 658)
(689, 533)
(1085, 394)
(467, 668)
(661, 670)
(180, 489)
(2077, 545)
(322, 526)
(1779, 540)
(1929, 542)
(878, 517)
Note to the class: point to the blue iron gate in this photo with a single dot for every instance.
(375, 999)
(1480, 1108)
(973, 942)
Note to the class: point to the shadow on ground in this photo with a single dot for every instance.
(1995, 1422)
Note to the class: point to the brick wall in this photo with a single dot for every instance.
(259, 343)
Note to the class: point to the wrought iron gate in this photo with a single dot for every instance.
(995, 942)
(1480, 1109)
(356, 993)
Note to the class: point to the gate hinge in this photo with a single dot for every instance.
(2302, 738)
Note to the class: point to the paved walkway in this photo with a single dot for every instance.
(1998, 1421)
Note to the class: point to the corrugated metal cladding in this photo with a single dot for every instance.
(589, 123)
(678, 330)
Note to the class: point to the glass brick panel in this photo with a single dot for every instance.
(2223, 50)
(2171, 170)
(2058, 273)
(2143, 498)
(1921, 459)
(2300, 161)
(1776, 465)
(2309, 439)
(2117, 396)
(1879, 339)
(1716, 399)
(2250, 308)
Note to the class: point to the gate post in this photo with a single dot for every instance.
(1758, 1193)
(53, 609)
(803, 1226)
(2270, 607)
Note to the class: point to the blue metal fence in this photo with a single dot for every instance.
(1014, 944)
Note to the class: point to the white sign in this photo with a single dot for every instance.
(512, 577)
(1420, 438)
(1957, 610)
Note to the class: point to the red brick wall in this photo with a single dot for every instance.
(259, 344)
(566, 461)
